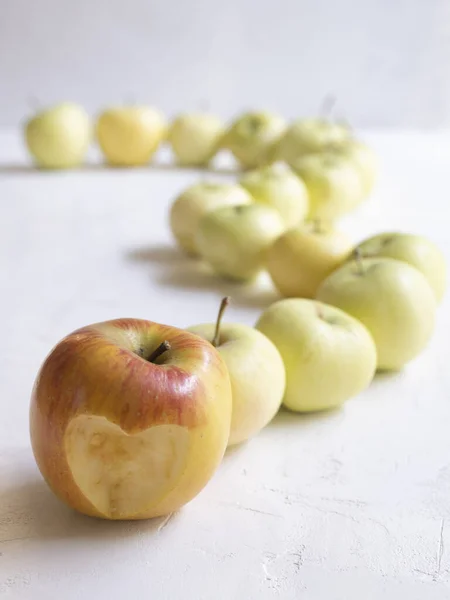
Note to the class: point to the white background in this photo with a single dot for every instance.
(386, 60)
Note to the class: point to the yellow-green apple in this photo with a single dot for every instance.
(256, 372)
(129, 419)
(334, 184)
(393, 300)
(252, 138)
(279, 187)
(130, 135)
(415, 250)
(300, 259)
(234, 239)
(365, 160)
(59, 137)
(310, 136)
(328, 355)
(195, 138)
(195, 202)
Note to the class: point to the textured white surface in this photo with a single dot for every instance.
(386, 60)
(342, 506)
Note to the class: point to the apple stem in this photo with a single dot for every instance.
(164, 347)
(358, 255)
(223, 305)
(328, 103)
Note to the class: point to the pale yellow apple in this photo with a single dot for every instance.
(195, 202)
(256, 373)
(366, 161)
(234, 239)
(195, 138)
(279, 187)
(130, 135)
(328, 355)
(415, 250)
(300, 259)
(59, 137)
(253, 137)
(393, 300)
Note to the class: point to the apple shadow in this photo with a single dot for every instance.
(286, 418)
(176, 270)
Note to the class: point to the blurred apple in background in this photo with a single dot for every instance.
(195, 138)
(393, 300)
(253, 137)
(129, 419)
(234, 239)
(59, 137)
(256, 372)
(365, 160)
(130, 135)
(196, 201)
(300, 259)
(328, 355)
(415, 250)
(279, 187)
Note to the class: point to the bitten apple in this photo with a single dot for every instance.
(129, 419)
(234, 239)
(393, 300)
(256, 372)
(300, 259)
(328, 355)
(130, 135)
(195, 202)
(279, 187)
(195, 138)
(59, 137)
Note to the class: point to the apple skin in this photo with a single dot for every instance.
(195, 138)
(234, 239)
(328, 355)
(59, 137)
(334, 184)
(129, 135)
(195, 202)
(392, 299)
(366, 162)
(279, 187)
(97, 372)
(253, 137)
(415, 250)
(301, 258)
(257, 376)
(310, 136)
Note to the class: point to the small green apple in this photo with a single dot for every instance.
(252, 138)
(234, 239)
(415, 250)
(279, 187)
(197, 200)
(328, 355)
(256, 372)
(195, 138)
(59, 137)
(393, 300)
(301, 258)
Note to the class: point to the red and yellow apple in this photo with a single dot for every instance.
(129, 419)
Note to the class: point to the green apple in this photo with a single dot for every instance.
(59, 137)
(256, 372)
(130, 135)
(130, 419)
(195, 202)
(310, 136)
(415, 250)
(252, 138)
(328, 355)
(393, 300)
(195, 138)
(301, 258)
(234, 239)
(279, 187)
(334, 184)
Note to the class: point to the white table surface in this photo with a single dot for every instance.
(349, 505)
